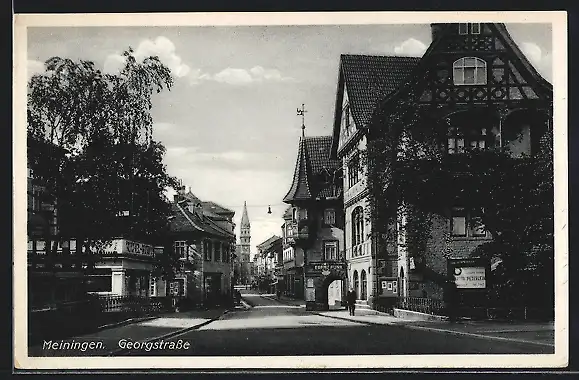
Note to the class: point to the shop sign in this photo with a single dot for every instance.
(129, 247)
(470, 277)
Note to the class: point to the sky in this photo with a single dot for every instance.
(229, 123)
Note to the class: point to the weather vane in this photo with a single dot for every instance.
(302, 113)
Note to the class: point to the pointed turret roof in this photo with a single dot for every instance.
(313, 160)
(244, 216)
(300, 188)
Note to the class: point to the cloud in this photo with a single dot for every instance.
(233, 76)
(541, 61)
(161, 47)
(34, 67)
(410, 47)
(239, 77)
(230, 186)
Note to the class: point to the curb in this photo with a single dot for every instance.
(281, 301)
(246, 305)
(169, 335)
(451, 332)
(126, 322)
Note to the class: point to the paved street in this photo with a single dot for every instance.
(274, 328)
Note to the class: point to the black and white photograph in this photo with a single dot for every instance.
(345, 190)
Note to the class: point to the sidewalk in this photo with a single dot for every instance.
(529, 332)
(108, 341)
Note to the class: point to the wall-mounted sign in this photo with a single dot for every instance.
(310, 283)
(388, 287)
(470, 277)
(310, 294)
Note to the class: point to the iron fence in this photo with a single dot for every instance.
(133, 304)
(422, 305)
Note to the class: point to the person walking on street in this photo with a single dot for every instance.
(351, 299)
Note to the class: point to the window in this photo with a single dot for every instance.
(181, 249)
(469, 28)
(364, 290)
(353, 170)
(357, 226)
(208, 250)
(458, 223)
(303, 213)
(331, 250)
(458, 142)
(218, 251)
(294, 214)
(356, 283)
(469, 71)
(330, 217)
(152, 287)
(467, 223)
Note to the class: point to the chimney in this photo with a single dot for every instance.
(436, 29)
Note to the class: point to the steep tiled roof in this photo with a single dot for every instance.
(369, 79)
(216, 208)
(318, 148)
(313, 158)
(186, 221)
(300, 188)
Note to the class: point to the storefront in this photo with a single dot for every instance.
(125, 269)
(319, 276)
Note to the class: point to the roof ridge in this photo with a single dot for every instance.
(187, 217)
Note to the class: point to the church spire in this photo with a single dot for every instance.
(245, 217)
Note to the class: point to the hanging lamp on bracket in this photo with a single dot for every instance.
(269, 209)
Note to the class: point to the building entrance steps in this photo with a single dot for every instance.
(109, 341)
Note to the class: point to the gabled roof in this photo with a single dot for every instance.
(186, 221)
(368, 79)
(287, 214)
(269, 243)
(217, 208)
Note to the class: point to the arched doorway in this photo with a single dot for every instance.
(364, 290)
(335, 292)
(356, 284)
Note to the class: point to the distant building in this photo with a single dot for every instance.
(202, 236)
(243, 250)
(316, 227)
(269, 253)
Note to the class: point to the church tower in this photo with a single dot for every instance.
(245, 236)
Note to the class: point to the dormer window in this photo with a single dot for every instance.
(469, 28)
(469, 71)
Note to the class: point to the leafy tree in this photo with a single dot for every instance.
(90, 146)
(410, 174)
